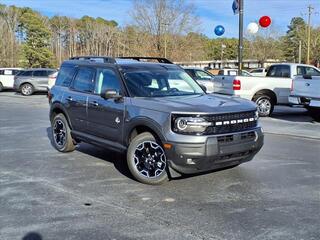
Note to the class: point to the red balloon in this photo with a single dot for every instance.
(265, 21)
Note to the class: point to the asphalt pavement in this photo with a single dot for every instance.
(89, 194)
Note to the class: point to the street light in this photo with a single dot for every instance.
(222, 48)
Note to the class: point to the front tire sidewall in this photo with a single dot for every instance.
(68, 144)
(144, 137)
(26, 93)
(267, 98)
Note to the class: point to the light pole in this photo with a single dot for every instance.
(165, 38)
(240, 49)
(222, 48)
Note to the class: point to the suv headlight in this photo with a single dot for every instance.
(189, 125)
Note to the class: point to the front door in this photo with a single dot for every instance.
(105, 116)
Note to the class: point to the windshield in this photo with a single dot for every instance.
(160, 82)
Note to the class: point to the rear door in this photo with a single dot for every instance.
(106, 116)
(76, 98)
(281, 81)
(41, 78)
(7, 78)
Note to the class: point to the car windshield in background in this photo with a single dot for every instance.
(160, 83)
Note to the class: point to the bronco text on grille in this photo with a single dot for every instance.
(231, 122)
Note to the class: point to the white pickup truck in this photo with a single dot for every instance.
(267, 91)
(306, 91)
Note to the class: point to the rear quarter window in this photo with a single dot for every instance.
(65, 76)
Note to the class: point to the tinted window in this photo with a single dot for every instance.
(15, 72)
(279, 71)
(26, 73)
(202, 75)
(40, 73)
(65, 76)
(312, 71)
(256, 71)
(106, 79)
(84, 80)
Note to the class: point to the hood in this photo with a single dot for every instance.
(208, 103)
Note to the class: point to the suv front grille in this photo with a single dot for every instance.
(231, 122)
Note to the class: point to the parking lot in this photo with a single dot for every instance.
(89, 194)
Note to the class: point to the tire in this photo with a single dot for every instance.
(26, 89)
(146, 160)
(61, 134)
(1, 87)
(265, 104)
(314, 113)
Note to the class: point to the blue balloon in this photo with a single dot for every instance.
(219, 30)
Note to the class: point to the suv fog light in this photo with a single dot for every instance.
(190, 161)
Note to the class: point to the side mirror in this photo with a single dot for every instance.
(110, 94)
(203, 87)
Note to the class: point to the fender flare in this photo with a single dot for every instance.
(146, 122)
(58, 106)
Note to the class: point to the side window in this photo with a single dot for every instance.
(40, 73)
(301, 70)
(273, 71)
(284, 71)
(26, 74)
(1, 72)
(312, 71)
(65, 76)
(83, 81)
(106, 79)
(202, 75)
(15, 72)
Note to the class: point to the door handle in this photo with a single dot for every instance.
(94, 103)
(307, 84)
(69, 99)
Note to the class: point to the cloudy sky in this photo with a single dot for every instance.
(211, 12)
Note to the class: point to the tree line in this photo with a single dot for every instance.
(159, 28)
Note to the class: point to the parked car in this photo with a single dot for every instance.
(258, 72)
(52, 79)
(267, 91)
(33, 80)
(305, 91)
(7, 77)
(232, 72)
(201, 76)
(155, 113)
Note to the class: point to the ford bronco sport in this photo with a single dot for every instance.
(155, 113)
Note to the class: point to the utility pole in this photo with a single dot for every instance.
(300, 50)
(309, 32)
(240, 50)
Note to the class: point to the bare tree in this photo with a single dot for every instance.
(163, 19)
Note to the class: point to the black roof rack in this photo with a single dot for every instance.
(99, 59)
(145, 59)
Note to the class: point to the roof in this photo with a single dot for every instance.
(39, 69)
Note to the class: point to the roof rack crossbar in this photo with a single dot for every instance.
(159, 59)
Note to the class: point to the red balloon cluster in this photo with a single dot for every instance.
(265, 21)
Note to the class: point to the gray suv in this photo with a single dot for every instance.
(33, 80)
(155, 113)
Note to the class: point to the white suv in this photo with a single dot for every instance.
(7, 77)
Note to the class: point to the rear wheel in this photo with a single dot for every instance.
(61, 133)
(146, 159)
(314, 113)
(265, 105)
(27, 89)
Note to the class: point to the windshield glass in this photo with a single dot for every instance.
(160, 82)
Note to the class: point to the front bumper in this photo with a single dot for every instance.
(216, 152)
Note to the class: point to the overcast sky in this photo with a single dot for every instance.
(211, 12)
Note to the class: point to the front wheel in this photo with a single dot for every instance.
(1, 87)
(146, 159)
(265, 105)
(27, 89)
